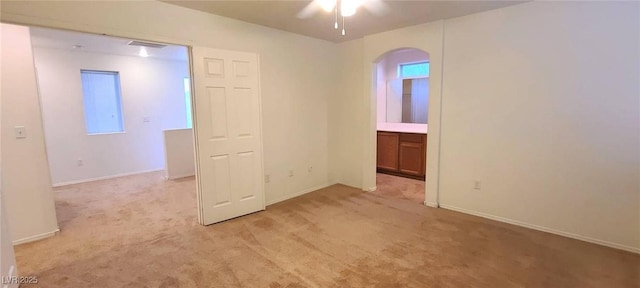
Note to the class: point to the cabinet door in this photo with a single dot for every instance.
(411, 158)
(387, 156)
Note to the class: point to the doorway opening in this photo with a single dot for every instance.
(112, 115)
(92, 109)
(401, 90)
(116, 115)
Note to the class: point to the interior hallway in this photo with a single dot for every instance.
(141, 231)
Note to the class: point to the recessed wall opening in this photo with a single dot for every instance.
(401, 89)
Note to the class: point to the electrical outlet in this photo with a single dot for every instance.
(267, 178)
(20, 132)
(310, 169)
(146, 119)
(476, 185)
(80, 162)
(290, 173)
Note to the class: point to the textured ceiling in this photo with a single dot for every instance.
(282, 15)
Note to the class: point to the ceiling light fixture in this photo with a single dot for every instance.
(143, 52)
(344, 8)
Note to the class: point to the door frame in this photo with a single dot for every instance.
(194, 127)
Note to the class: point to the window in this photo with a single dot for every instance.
(411, 70)
(102, 102)
(187, 101)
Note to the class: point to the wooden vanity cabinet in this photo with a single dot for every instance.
(388, 147)
(402, 154)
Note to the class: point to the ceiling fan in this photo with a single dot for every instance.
(342, 8)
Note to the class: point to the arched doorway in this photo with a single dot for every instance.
(401, 88)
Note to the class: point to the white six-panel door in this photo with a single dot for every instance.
(228, 134)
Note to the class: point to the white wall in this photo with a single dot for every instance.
(7, 256)
(26, 184)
(8, 266)
(551, 132)
(179, 153)
(381, 90)
(555, 132)
(393, 98)
(298, 73)
(150, 88)
(346, 129)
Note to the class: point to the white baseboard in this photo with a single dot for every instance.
(36, 237)
(545, 229)
(371, 189)
(174, 177)
(431, 204)
(103, 178)
(299, 193)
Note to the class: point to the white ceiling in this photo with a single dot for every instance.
(282, 15)
(60, 39)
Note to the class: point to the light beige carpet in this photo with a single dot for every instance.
(390, 186)
(141, 231)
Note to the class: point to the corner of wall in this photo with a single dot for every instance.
(25, 172)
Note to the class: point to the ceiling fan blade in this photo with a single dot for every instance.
(308, 10)
(376, 7)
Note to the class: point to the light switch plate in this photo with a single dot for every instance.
(20, 132)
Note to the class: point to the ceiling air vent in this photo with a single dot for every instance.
(146, 44)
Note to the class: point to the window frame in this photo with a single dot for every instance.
(118, 89)
(400, 76)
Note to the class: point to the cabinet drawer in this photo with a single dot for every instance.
(414, 138)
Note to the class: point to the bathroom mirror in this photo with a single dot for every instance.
(408, 100)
